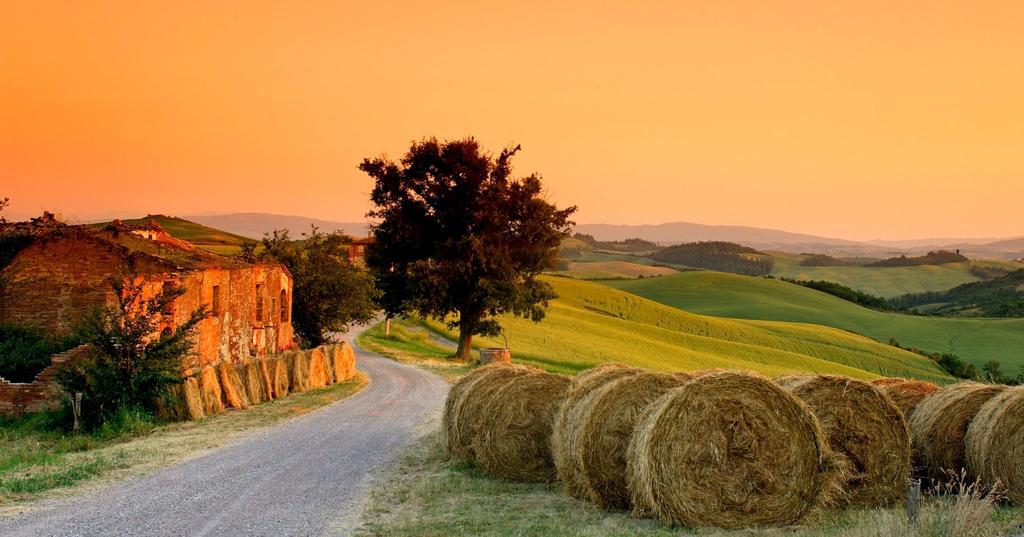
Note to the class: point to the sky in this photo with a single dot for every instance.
(858, 120)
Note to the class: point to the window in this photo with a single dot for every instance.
(215, 302)
(284, 306)
(259, 304)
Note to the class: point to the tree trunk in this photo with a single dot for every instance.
(464, 352)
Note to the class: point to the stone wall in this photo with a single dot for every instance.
(43, 393)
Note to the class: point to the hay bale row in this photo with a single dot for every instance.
(318, 375)
(905, 393)
(209, 390)
(566, 427)
(298, 371)
(939, 427)
(231, 386)
(864, 426)
(343, 361)
(994, 450)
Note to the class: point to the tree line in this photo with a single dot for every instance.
(718, 255)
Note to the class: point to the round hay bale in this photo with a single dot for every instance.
(192, 400)
(209, 387)
(866, 427)
(994, 447)
(512, 440)
(906, 393)
(298, 371)
(249, 371)
(266, 379)
(607, 420)
(939, 425)
(465, 399)
(730, 450)
(317, 368)
(279, 377)
(231, 386)
(567, 421)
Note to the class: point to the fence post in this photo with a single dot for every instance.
(913, 499)
(76, 409)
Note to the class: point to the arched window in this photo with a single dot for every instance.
(284, 306)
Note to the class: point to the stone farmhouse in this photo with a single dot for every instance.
(62, 271)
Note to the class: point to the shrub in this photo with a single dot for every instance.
(25, 351)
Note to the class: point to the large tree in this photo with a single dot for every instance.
(460, 239)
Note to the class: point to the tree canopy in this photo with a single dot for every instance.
(460, 239)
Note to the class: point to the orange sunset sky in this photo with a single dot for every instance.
(851, 119)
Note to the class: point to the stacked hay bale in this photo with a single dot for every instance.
(343, 358)
(298, 371)
(606, 423)
(279, 376)
(252, 383)
(994, 447)
(266, 378)
(939, 426)
(731, 450)
(511, 438)
(867, 428)
(192, 400)
(463, 407)
(328, 350)
(317, 368)
(231, 386)
(209, 388)
(567, 421)
(906, 393)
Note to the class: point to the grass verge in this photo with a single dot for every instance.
(38, 460)
(426, 494)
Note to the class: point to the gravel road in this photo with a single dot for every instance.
(307, 476)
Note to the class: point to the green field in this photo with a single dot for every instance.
(591, 324)
(882, 281)
(744, 297)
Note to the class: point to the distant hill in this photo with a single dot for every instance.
(941, 257)
(255, 225)
(1002, 296)
(208, 238)
(683, 232)
(717, 255)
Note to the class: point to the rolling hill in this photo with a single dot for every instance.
(743, 297)
(255, 225)
(207, 238)
(591, 324)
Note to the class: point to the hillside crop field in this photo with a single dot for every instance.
(590, 324)
(604, 270)
(883, 281)
(743, 297)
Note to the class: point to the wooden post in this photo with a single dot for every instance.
(913, 498)
(76, 409)
(387, 327)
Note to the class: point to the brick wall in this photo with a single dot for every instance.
(43, 393)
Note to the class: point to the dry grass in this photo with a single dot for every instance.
(729, 450)
(864, 426)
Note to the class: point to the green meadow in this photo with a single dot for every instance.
(207, 238)
(745, 297)
(590, 324)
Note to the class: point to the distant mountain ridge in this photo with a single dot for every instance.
(255, 225)
(773, 239)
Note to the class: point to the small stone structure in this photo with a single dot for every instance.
(43, 393)
(500, 355)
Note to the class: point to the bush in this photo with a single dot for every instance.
(129, 369)
(25, 351)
